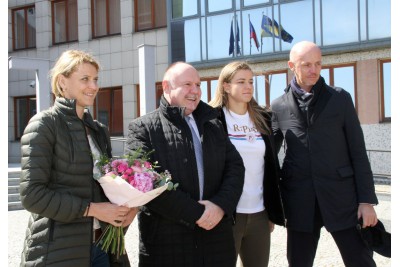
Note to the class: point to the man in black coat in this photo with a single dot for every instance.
(326, 177)
(192, 225)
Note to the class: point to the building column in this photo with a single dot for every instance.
(147, 72)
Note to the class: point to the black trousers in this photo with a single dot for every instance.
(302, 246)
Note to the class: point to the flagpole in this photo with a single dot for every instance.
(261, 32)
(250, 34)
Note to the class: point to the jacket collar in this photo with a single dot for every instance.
(203, 112)
(67, 107)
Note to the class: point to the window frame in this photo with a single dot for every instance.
(382, 116)
(28, 115)
(25, 8)
(153, 17)
(332, 78)
(93, 18)
(267, 83)
(111, 109)
(53, 31)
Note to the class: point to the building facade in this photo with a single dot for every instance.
(135, 41)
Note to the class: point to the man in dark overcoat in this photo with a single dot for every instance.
(326, 178)
(192, 225)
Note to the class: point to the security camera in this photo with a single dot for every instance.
(32, 84)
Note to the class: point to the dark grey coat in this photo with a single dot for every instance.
(169, 235)
(325, 160)
(57, 184)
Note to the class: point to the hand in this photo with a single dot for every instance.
(130, 216)
(212, 215)
(271, 226)
(368, 214)
(108, 212)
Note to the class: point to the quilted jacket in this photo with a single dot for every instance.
(56, 185)
(169, 235)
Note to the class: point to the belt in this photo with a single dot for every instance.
(96, 234)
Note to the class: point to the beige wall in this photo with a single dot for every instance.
(368, 97)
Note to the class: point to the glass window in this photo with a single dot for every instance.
(386, 88)
(259, 90)
(208, 88)
(65, 21)
(219, 5)
(219, 35)
(254, 2)
(109, 109)
(277, 85)
(107, 17)
(24, 27)
(339, 22)
(25, 108)
(150, 14)
(344, 78)
(325, 73)
(378, 19)
(185, 38)
(299, 29)
(184, 8)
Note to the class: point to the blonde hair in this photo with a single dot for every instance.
(66, 64)
(256, 112)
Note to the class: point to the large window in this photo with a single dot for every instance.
(64, 21)
(106, 17)
(150, 14)
(109, 109)
(24, 109)
(24, 27)
(205, 30)
(277, 82)
(341, 76)
(386, 90)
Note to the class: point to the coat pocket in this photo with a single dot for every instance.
(345, 172)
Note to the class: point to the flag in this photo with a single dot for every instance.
(253, 35)
(234, 42)
(237, 39)
(269, 29)
(231, 40)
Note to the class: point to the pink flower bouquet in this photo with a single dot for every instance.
(129, 181)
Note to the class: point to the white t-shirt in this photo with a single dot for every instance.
(250, 145)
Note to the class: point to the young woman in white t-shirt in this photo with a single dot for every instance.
(248, 127)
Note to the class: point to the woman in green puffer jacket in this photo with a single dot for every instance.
(68, 207)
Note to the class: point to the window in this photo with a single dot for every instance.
(109, 109)
(200, 30)
(64, 21)
(24, 27)
(208, 87)
(386, 90)
(341, 76)
(106, 17)
(25, 108)
(277, 83)
(150, 14)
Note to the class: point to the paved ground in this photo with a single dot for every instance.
(327, 253)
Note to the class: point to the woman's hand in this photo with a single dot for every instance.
(130, 216)
(110, 213)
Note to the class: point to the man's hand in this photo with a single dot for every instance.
(368, 214)
(212, 215)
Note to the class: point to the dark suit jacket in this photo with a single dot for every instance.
(325, 160)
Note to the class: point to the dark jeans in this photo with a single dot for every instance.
(99, 257)
(252, 238)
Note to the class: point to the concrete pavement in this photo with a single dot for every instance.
(327, 253)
